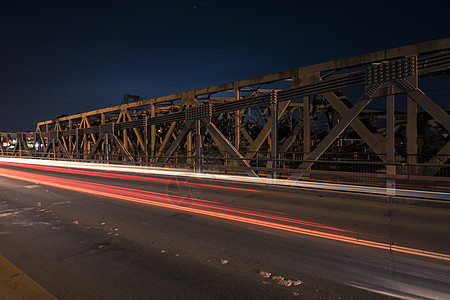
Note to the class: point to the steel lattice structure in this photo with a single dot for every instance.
(292, 124)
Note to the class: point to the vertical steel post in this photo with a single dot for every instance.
(153, 134)
(146, 139)
(70, 138)
(237, 122)
(198, 146)
(390, 144)
(85, 146)
(107, 146)
(189, 148)
(77, 143)
(306, 127)
(125, 136)
(274, 132)
(54, 146)
(103, 121)
(47, 139)
(411, 131)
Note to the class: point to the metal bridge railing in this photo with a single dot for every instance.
(371, 173)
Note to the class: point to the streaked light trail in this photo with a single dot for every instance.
(118, 176)
(212, 209)
(235, 178)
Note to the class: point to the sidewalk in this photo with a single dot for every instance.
(14, 284)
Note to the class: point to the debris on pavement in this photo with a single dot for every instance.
(265, 274)
(297, 282)
(280, 279)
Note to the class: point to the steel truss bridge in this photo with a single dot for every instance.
(365, 119)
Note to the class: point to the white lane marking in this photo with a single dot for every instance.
(61, 202)
(12, 212)
(33, 186)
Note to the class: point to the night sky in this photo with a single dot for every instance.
(64, 57)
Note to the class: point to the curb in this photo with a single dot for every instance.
(15, 284)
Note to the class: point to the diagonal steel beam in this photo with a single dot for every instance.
(168, 135)
(136, 131)
(25, 146)
(122, 147)
(262, 136)
(187, 127)
(64, 144)
(230, 148)
(63, 148)
(246, 135)
(216, 141)
(167, 138)
(333, 135)
(94, 149)
(88, 125)
(375, 141)
(437, 160)
(290, 139)
(430, 107)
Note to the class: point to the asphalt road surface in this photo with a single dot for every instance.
(99, 235)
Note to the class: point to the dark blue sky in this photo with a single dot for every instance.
(64, 57)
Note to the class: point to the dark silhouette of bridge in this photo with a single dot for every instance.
(364, 119)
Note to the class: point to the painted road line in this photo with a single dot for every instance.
(15, 284)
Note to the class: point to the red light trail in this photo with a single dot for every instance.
(118, 176)
(213, 209)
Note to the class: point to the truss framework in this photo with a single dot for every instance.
(285, 122)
